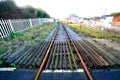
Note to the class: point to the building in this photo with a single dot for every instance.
(116, 20)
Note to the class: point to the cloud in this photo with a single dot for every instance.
(62, 8)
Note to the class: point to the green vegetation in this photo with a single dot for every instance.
(5, 64)
(9, 10)
(93, 32)
(116, 66)
(27, 38)
(13, 65)
(1, 62)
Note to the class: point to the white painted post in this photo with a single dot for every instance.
(3, 28)
(42, 20)
(39, 21)
(1, 35)
(6, 27)
(1, 32)
(30, 23)
(26, 23)
(11, 25)
(45, 20)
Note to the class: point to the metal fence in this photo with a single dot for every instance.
(19, 25)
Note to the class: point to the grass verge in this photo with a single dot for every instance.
(93, 32)
(15, 41)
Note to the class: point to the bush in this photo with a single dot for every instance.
(13, 35)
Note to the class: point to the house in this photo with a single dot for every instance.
(73, 18)
(116, 20)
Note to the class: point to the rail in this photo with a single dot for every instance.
(89, 76)
(79, 56)
(46, 56)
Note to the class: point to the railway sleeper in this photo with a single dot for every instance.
(34, 55)
(87, 53)
(83, 51)
(104, 55)
(103, 62)
(97, 51)
(38, 62)
(94, 56)
(39, 53)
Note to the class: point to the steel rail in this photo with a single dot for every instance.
(89, 76)
(46, 56)
(49, 59)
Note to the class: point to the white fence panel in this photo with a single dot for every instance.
(19, 25)
(5, 28)
(35, 22)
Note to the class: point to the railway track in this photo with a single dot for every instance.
(62, 51)
(58, 56)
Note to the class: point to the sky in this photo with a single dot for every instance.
(84, 8)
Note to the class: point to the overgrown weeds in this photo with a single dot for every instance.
(93, 32)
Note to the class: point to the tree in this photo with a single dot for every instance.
(9, 10)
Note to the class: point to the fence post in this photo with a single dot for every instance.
(11, 25)
(3, 28)
(1, 32)
(8, 26)
(39, 21)
(30, 23)
(1, 35)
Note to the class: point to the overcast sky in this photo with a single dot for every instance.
(83, 8)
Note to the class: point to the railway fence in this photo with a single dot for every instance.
(19, 25)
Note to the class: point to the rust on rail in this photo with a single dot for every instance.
(79, 56)
(45, 57)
